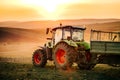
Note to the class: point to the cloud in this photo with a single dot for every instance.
(92, 10)
(18, 13)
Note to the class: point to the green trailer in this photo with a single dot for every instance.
(105, 47)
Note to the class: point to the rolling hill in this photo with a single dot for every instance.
(16, 33)
(20, 35)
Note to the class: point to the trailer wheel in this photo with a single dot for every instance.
(39, 58)
(64, 55)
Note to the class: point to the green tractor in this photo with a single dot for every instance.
(66, 47)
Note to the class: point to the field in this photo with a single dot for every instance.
(18, 40)
(15, 71)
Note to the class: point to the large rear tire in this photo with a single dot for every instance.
(64, 55)
(85, 63)
(39, 58)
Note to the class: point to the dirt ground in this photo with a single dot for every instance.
(19, 52)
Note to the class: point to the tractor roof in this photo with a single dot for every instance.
(70, 27)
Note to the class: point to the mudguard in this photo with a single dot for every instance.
(85, 44)
(75, 44)
(69, 42)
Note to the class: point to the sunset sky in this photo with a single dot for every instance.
(23, 10)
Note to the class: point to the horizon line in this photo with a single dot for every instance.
(60, 19)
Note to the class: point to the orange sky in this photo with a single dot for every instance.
(58, 9)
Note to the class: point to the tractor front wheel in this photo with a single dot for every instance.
(39, 58)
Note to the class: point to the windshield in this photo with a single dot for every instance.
(74, 34)
(77, 35)
(66, 34)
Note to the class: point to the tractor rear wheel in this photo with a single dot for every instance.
(39, 58)
(85, 64)
(64, 55)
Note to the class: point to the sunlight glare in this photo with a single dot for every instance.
(48, 5)
(49, 8)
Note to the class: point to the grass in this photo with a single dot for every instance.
(15, 71)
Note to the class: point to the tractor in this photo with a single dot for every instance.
(67, 46)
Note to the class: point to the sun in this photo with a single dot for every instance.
(47, 8)
(50, 9)
(48, 5)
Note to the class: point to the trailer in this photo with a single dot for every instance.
(105, 47)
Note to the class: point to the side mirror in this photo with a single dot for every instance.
(49, 38)
(48, 30)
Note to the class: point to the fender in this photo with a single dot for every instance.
(85, 44)
(69, 42)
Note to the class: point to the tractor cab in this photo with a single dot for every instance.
(75, 34)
